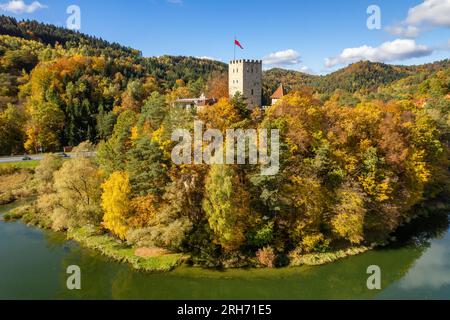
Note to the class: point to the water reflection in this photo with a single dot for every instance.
(432, 271)
(415, 267)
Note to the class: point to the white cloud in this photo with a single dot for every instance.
(430, 271)
(175, 1)
(306, 69)
(403, 30)
(400, 49)
(432, 12)
(282, 58)
(19, 6)
(208, 58)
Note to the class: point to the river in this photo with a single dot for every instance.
(33, 265)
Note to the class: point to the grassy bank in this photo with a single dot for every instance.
(317, 259)
(15, 184)
(20, 164)
(118, 251)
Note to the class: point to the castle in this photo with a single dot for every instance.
(245, 76)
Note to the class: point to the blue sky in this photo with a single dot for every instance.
(294, 34)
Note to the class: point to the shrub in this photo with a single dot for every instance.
(44, 172)
(314, 243)
(266, 257)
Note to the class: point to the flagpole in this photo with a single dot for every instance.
(234, 46)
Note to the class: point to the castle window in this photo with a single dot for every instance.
(252, 91)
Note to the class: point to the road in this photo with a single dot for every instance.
(19, 158)
(37, 157)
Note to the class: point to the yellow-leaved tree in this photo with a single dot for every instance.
(116, 203)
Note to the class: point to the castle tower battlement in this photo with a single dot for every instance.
(245, 76)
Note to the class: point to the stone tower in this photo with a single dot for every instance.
(245, 76)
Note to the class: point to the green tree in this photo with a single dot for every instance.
(111, 155)
(12, 135)
(147, 172)
(226, 207)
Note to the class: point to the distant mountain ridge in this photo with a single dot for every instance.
(357, 76)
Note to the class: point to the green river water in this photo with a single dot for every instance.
(33, 265)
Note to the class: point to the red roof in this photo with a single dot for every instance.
(279, 93)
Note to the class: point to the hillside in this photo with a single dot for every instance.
(289, 78)
(51, 35)
(82, 81)
(166, 69)
(364, 75)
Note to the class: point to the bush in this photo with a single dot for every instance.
(266, 257)
(263, 236)
(44, 172)
(314, 243)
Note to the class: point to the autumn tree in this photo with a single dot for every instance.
(350, 211)
(78, 190)
(46, 121)
(12, 135)
(217, 86)
(44, 172)
(116, 203)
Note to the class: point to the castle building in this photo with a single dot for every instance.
(245, 76)
(278, 94)
(194, 103)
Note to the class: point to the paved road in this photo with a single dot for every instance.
(19, 158)
(34, 157)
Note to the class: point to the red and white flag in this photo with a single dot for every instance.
(237, 43)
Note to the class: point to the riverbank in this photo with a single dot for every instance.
(14, 184)
(118, 251)
(161, 261)
(93, 238)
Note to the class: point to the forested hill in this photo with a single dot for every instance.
(166, 69)
(51, 35)
(82, 83)
(364, 75)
